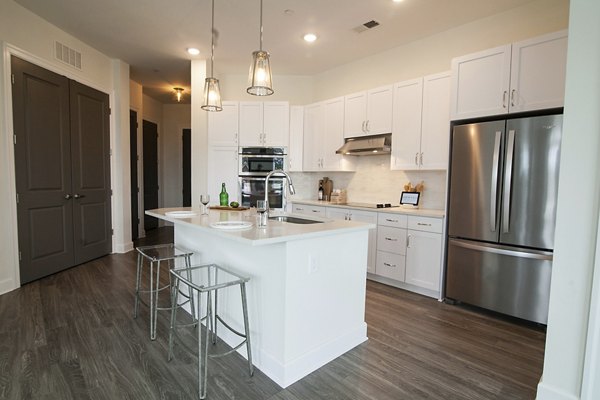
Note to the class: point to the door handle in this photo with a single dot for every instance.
(78, 196)
(510, 149)
(421, 160)
(494, 188)
(416, 158)
(408, 241)
(391, 239)
(389, 265)
(533, 254)
(363, 126)
(512, 97)
(504, 99)
(367, 126)
(68, 197)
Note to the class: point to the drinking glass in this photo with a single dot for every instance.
(261, 208)
(204, 199)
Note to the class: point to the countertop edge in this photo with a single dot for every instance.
(422, 212)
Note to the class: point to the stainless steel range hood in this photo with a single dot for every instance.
(367, 145)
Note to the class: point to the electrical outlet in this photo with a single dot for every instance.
(312, 265)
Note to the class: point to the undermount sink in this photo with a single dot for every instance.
(294, 220)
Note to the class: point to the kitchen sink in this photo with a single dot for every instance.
(294, 220)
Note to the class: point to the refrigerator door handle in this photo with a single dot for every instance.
(494, 188)
(510, 150)
(534, 254)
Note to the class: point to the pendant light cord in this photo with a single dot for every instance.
(212, 39)
(261, 24)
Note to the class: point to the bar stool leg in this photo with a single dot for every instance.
(174, 293)
(188, 264)
(216, 322)
(152, 294)
(246, 327)
(154, 305)
(138, 278)
(203, 358)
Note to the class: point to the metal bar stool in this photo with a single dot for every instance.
(155, 255)
(208, 279)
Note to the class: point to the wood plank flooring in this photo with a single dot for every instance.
(72, 336)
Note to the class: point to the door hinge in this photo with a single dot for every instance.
(112, 231)
(111, 192)
(12, 78)
(110, 152)
(15, 139)
(109, 111)
(17, 198)
(20, 256)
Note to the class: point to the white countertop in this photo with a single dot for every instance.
(395, 210)
(275, 232)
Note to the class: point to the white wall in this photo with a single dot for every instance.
(176, 117)
(433, 54)
(136, 103)
(30, 37)
(577, 216)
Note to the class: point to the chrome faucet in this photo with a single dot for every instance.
(277, 172)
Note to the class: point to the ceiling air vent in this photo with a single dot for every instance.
(67, 55)
(366, 26)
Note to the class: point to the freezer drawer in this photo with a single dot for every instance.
(504, 279)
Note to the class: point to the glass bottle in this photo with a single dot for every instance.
(321, 190)
(223, 196)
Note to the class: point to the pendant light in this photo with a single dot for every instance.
(178, 93)
(212, 93)
(259, 79)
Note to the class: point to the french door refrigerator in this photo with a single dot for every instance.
(501, 214)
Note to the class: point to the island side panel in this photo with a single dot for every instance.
(325, 300)
(265, 266)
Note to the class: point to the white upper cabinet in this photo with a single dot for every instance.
(296, 147)
(368, 113)
(524, 76)
(323, 135)
(264, 123)
(538, 71)
(223, 125)
(421, 123)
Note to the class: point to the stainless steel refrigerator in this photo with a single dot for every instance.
(501, 214)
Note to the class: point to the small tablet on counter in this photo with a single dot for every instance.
(410, 199)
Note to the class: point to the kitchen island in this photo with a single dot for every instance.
(306, 295)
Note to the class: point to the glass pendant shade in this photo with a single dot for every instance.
(212, 95)
(259, 80)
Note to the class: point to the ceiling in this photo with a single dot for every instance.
(152, 35)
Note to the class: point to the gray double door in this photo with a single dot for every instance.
(62, 169)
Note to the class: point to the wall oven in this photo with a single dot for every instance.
(255, 163)
(259, 161)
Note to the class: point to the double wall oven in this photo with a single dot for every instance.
(255, 163)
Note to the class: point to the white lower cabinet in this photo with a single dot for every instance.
(424, 252)
(390, 265)
(318, 211)
(362, 216)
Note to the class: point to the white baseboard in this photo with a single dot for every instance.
(7, 285)
(123, 247)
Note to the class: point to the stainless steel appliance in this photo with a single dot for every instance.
(255, 163)
(501, 214)
(259, 161)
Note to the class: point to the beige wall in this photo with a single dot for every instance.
(176, 117)
(433, 54)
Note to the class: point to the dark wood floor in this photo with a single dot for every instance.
(72, 336)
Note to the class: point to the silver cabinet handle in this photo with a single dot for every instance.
(421, 161)
(315, 211)
(408, 240)
(504, 99)
(389, 265)
(416, 158)
(494, 188)
(534, 254)
(510, 149)
(68, 196)
(391, 220)
(349, 216)
(512, 97)
(367, 126)
(299, 209)
(422, 224)
(391, 239)
(362, 128)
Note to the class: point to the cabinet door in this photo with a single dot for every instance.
(355, 114)
(538, 73)
(423, 259)
(222, 167)
(406, 129)
(379, 110)
(223, 126)
(480, 83)
(276, 123)
(435, 126)
(333, 135)
(313, 120)
(296, 141)
(337, 213)
(251, 123)
(370, 217)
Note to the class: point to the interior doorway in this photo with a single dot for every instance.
(62, 171)
(187, 167)
(150, 146)
(133, 168)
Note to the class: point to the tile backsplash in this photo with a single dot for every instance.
(373, 182)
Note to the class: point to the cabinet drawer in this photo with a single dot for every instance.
(426, 224)
(396, 220)
(390, 265)
(392, 240)
(309, 210)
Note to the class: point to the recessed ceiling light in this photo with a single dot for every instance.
(397, 1)
(310, 37)
(193, 51)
